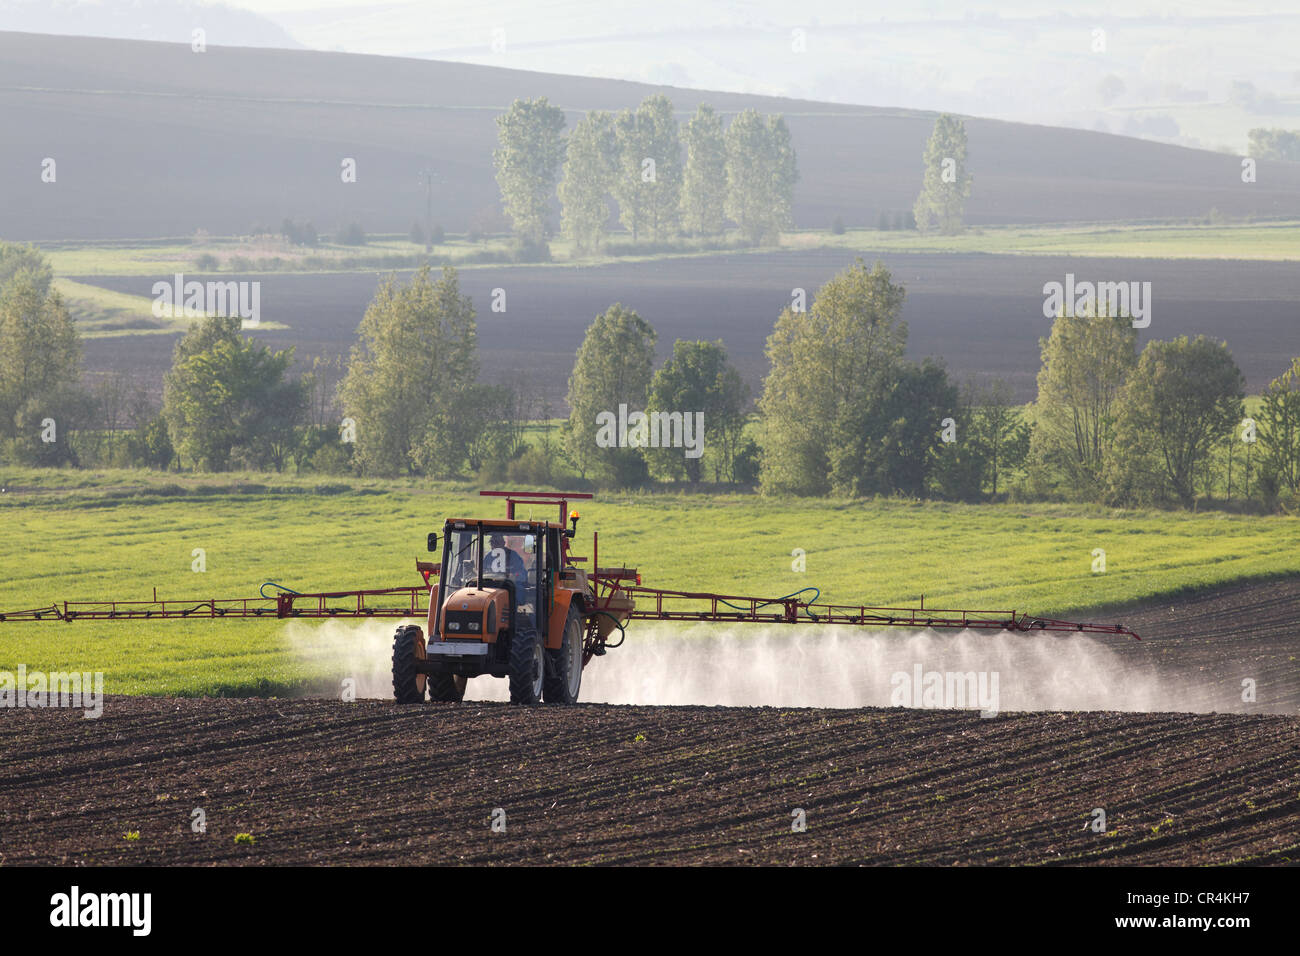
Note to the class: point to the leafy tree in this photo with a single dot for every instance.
(411, 375)
(704, 183)
(831, 369)
(946, 183)
(612, 368)
(110, 398)
(590, 164)
(895, 442)
(150, 444)
(633, 145)
(1086, 360)
(649, 180)
(40, 350)
(49, 427)
(698, 378)
(528, 163)
(746, 462)
(998, 431)
(1279, 428)
(226, 398)
(761, 173)
(1180, 400)
(15, 258)
(958, 467)
(785, 172)
(488, 426)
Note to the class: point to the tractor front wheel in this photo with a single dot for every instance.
(527, 664)
(408, 647)
(446, 687)
(564, 664)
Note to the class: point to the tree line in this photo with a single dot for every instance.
(667, 179)
(842, 410)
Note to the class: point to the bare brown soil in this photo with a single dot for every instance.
(982, 314)
(316, 781)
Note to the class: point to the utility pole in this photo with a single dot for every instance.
(426, 178)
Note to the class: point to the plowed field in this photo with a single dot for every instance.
(315, 781)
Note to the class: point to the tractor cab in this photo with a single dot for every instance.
(510, 600)
(488, 563)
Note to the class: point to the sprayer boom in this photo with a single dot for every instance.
(500, 569)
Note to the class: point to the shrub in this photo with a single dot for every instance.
(331, 459)
(747, 462)
(533, 467)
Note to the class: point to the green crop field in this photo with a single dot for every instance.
(76, 536)
(1278, 241)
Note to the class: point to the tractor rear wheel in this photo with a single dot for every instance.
(564, 663)
(527, 664)
(446, 687)
(408, 647)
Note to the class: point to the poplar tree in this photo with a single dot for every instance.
(528, 163)
(945, 184)
(613, 367)
(411, 381)
(590, 164)
(704, 181)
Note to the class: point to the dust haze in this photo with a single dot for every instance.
(815, 666)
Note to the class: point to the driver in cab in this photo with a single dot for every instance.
(506, 561)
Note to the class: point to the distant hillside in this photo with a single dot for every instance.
(152, 139)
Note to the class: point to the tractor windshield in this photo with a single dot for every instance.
(506, 558)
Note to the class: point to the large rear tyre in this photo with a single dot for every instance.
(527, 664)
(446, 687)
(408, 647)
(564, 663)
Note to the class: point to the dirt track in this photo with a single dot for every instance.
(326, 782)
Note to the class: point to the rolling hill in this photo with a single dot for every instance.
(152, 139)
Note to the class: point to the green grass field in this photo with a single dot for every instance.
(1278, 241)
(77, 535)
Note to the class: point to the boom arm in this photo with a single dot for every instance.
(652, 604)
(791, 609)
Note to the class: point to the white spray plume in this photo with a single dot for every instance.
(802, 666)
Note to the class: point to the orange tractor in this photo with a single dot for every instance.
(509, 601)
